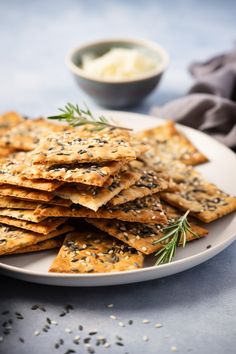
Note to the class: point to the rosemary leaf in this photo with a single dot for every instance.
(76, 117)
(175, 234)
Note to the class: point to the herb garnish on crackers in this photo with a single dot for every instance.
(76, 117)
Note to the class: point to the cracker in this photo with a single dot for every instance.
(149, 183)
(41, 246)
(12, 238)
(94, 197)
(171, 144)
(95, 252)
(26, 136)
(44, 227)
(141, 236)
(25, 193)
(5, 152)
(11, 173)
(68, 148)
(204, 200)
(8, 121)
(147, 210)
(21, 214)
(60, 201)
(91, 174)
(14, 203)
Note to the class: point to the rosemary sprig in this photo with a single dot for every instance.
(175, 234)
(76, 116)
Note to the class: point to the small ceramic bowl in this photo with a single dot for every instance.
(125, 92)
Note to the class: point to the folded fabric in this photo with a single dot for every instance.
(210, 105)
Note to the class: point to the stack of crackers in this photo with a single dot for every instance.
(101, 197)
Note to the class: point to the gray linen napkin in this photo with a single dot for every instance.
(210, 105)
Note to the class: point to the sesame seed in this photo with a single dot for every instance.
(130, 322)
(68, 330)
(107, 345)
(145, 338)
(36, 333)
(121, 324)
(146, 321)
(1, 339)
(110, 306)
(144, 248)
(158, 325)
(113, 317)
(173, 348)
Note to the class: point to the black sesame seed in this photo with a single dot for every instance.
(87, 340)
(81, 327)
(6, 312)
(21, 340)
(92, 333)
(61, 341)
(130, 322)
(76, 341)
(119, 338)
(49, 320)
(62, 314)
(57, 345)
(209, 246)
(120, 344)
(90, 350)
(34, 307)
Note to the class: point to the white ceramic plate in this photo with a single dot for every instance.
(221, 170)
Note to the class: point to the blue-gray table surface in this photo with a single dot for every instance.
(196, 308)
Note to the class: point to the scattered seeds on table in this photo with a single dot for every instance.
(68, 330)
(158, 325)
(173, 348)
(121, 324)
(110, 306)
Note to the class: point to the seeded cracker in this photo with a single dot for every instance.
(21, 214)
(43, 227)
(41, 246)
(204, 200)
(25, 193)
(25, 136)
(8, 121)
(12, 238)
(147, 209)
(171, 144)
(91, 174)
(14, 203)
(11, 173)
(141, 236)
(94, 197)
(149, 183)
(95, 252)
(68, 148)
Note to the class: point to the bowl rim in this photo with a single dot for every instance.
(142, 42)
